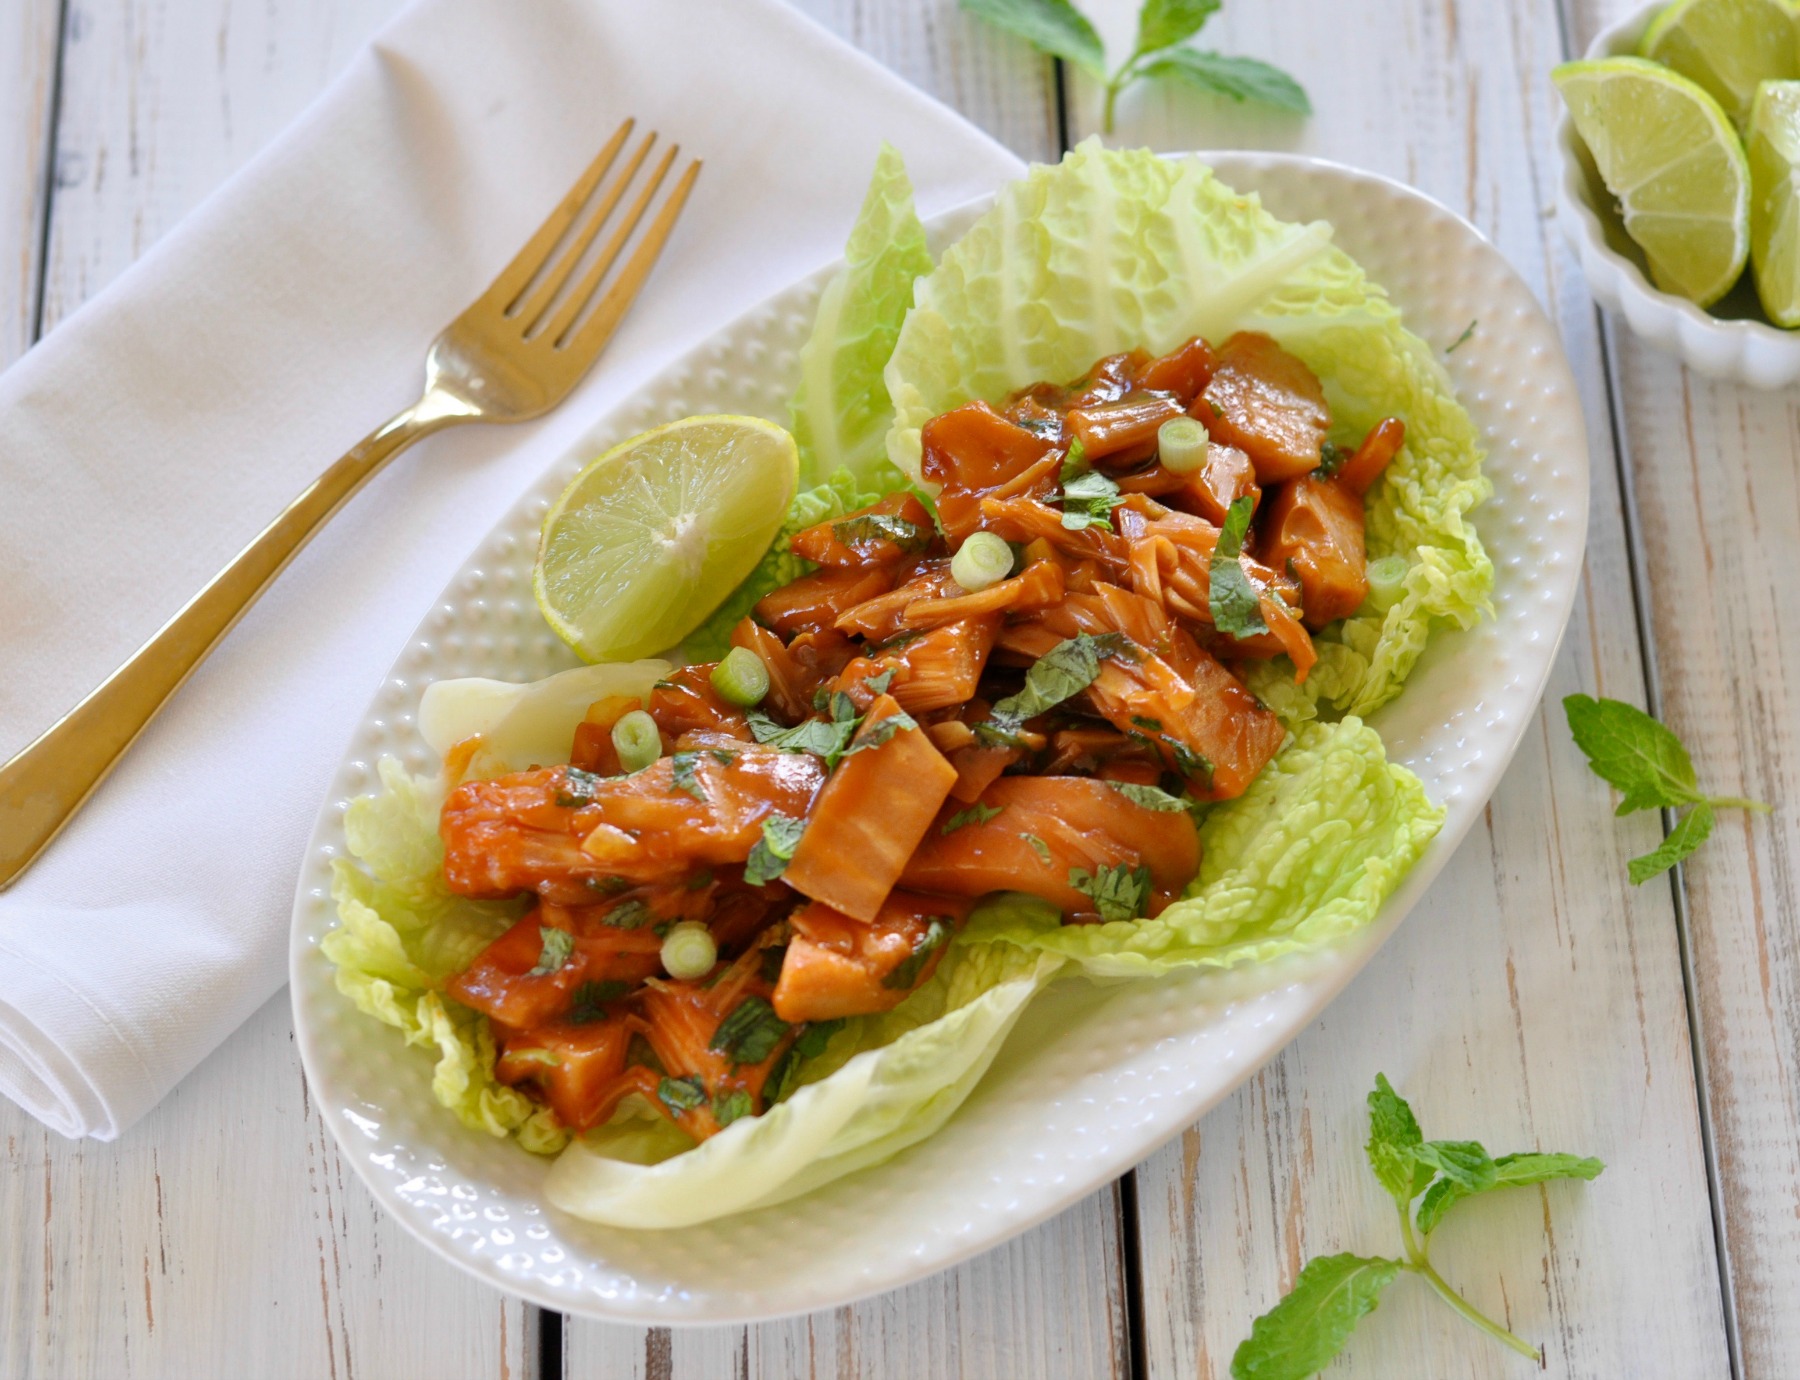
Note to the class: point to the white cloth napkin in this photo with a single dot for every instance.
(159, 427)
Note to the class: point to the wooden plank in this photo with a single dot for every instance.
(222, 1235)
(1715, 473)
(1052, 1303)
(1534, 999)
(28, 48)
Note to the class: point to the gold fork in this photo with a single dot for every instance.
(513, 355)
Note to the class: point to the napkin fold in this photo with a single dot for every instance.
(159, 427)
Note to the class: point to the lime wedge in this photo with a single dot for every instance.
(1775, 199)
(647, 540)
(1727, 46)
(1672, 160)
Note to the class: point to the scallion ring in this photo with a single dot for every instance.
(1387, 582)
(982, 560)
(1181, 444)
(688, 951)
(637, 740)
(741, 678)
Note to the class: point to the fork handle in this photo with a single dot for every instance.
(43, 787)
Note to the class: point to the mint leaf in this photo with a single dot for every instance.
(1462, 1162)
(1298, 1336)
(1692, 830)
(682, 1094)
(1119, 892)
(1239, 78)
(1162, 23)
(629, 915)
(878, 685)
(905, 975)
(774, 850)
(750, 1033)
(822, 738)
(1149, 797)
(975, 814)
(576, 788)
(1064, 671)
(1053, 27)
(1510, 1171)
(685, 780)
(728, 1107)
(1236, 609)
(557, 946)
(1394, 1137)
(1629, 749)
(588, 1002)
(882, 730)
(1088, 501)
(867, 534)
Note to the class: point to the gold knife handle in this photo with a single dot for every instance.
(43, 787)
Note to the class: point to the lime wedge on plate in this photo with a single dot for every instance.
(647, 540)
(1727, 46)
(1667, 153)
(1775, 199)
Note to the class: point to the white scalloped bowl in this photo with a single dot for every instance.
(1094, 1078)
(1733, 350)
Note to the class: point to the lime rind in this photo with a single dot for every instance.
(1728, 47)
(647, 539)
(1774, 154)
(1674, 164)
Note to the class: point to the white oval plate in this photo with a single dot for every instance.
(1093, 1079)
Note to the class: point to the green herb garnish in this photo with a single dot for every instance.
(871, 530)
(1629, 749)
(685, 779)
(1468, 331)
(905, 975)
(878, 685)
(557, 946)
(1236, 610)
(577, 788)
(774, 850)
(1088, 501)
(629, 915)
(1119, 892)
(975, 814)
(1058, 29)
(827, 738)
(588, 1002)
(881, 730)
(1299, 1336)
(1149, 797)
(728, 1107)
(750, 1033)
(1064, 671)
(1039, 847)
(682, 1094)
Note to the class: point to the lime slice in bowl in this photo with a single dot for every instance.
(647, 540)
(1775, 199)
(1671, 159)
(1727, 46)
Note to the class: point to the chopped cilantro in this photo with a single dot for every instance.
(1236, 610)
(1118, 892)
(557, 946)
(774, 850)
(750, 1033)
(975, 814)
(905, 975)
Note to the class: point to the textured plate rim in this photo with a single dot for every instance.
(1323, 974)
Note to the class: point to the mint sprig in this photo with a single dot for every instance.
(1652, 770)
(1057, 29)
(1231, 599)
(1299, 1336)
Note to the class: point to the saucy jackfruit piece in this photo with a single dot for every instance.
(1184, 371)
(974, 451)
(1061, 838)
(685, 700)
(1225, 476)
(890, 530)
(1268, 404)
(814, 602)
(1122, 431)
(837, 966)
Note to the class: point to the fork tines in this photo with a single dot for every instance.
(533, 290)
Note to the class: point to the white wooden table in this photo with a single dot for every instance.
(1534, 999)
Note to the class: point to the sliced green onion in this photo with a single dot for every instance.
(637, 740)
(1181, 444)
(741, 678)
(688, 951)
(982, 560)
(1387, 581)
